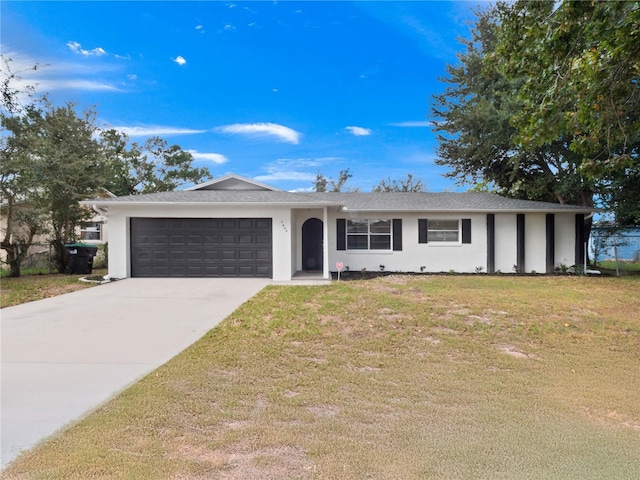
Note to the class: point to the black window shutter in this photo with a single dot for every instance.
(341, 234)
(466, 230)
(397, 234)
(422, 230)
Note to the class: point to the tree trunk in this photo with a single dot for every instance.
(59, 256)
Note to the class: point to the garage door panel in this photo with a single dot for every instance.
(262, 271)
(229, 247)
(263, 256)
(211, 240)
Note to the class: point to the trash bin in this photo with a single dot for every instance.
(80, 257)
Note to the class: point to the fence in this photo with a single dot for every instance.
(40, 258)
(621, 246)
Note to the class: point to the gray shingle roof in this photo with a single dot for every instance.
(439, 201)
(215, 196)
(349, 201)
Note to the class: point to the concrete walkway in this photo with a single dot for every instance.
(64, 356)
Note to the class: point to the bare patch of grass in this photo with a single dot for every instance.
(398, 378)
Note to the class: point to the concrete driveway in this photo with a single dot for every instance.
(64, 356)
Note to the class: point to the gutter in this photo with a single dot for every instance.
(100, 211)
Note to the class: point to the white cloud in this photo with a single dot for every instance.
(180, 60)
(286, 175)
(419, 124)
(210, 157)
(49, 77)
(229, 27)
(280, 132)
(294, 169)
(132, 77)
(199, 27)
(152, 130)
(75, 47)
(51, 84)
(358, 131)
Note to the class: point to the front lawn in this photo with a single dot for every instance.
(464, 377)
(28, 288)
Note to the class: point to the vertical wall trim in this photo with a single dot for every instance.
(422, 230)
(341, 234)
(520, 240)
(579, 260)
(397, 234)
(491, 243)
(466, 230)
(551, 242)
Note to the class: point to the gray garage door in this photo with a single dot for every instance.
(201, 247)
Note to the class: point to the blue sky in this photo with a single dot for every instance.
(274, 91)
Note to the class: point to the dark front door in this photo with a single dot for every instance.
(312, 244)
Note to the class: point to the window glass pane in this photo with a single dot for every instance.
(442, 230)
(380, 242)
(357, 242)
(442, 225)
(380, 226)
(357, 226)
(90, 231)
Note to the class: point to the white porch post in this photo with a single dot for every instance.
(325, 243)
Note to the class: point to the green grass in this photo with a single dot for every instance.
(31, 287)
(622, 265)
(392, 378)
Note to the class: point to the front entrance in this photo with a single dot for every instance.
(312, 257)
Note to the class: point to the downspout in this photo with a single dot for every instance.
(100, 211)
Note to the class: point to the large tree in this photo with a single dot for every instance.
(545, 104)
(22, 222)
(67, 164)
(155, 166)
(477, 141)
(579, 63)
(579, 67)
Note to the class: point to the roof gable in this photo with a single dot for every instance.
(233, 182)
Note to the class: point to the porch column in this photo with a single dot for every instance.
(491, 243)
(325, 243)
(520, 234)
(551, 242)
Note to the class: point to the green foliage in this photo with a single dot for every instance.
(53, 157)
(153, 167)
(324, 184)
(477, 141)
(580, 68)
(403, 185)
(16, 175)
(545, 104)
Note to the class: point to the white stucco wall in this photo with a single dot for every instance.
(119, 234)
(432, 256)
(535, 243)
(505, 242)
(565, 227)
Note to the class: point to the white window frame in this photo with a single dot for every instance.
(91, 228)
(353, 224)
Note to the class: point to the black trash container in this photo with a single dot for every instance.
(80, 257)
